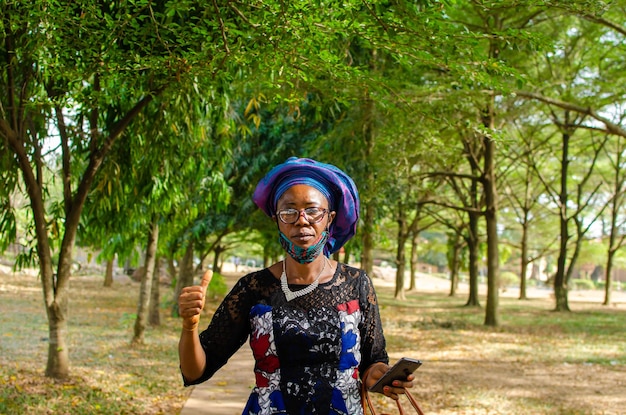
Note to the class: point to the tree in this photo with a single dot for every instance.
(617, 223)
(141, 321)
(573, 104)
(411, 189)
(523, 192)
(454, 256)
(68, 67)
(39, 72)
(503, 28)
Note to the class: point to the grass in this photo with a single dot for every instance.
(108, 375)
(592, 334)
(537, 361)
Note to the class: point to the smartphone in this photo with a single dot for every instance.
(403, 368)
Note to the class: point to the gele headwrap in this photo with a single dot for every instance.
(332, 182)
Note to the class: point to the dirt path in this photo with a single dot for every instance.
(227, 392)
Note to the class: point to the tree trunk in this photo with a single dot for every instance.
(524, 263)
(613, 246)
(472, 154)
(454, 263)
(472, 246)
(154, 315)
(607, 278)
(108, 274)
(616, 203)
(400, 252)
(217, 250)
(491, 218)
(58, 353)
(525, 229)
(54, 286)
(57, 303)
(185, 276)
(346, 254)
(560, 283)
(414, 261)
(266, 258)
(146, 283)
(367, 260)
(369, 188)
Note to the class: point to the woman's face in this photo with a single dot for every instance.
(300, 196)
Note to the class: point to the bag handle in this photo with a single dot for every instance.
(367, 400)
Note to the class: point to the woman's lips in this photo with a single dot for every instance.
(303, 238)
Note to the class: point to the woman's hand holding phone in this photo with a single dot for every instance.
(392, 381)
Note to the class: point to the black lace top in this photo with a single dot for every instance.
(309, 352)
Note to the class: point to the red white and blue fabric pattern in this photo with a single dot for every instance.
(320, 356)
(309, 352)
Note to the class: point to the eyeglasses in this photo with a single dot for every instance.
(291, 216)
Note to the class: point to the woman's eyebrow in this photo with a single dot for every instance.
(309, 203)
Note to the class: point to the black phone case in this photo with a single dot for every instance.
(403, 368)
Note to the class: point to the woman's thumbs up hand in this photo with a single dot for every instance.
(191, 302)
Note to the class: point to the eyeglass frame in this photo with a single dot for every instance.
(303, 212)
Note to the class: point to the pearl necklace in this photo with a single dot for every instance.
(290, 295)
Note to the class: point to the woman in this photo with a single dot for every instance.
(313, 324)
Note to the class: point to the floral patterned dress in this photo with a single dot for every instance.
(309, 352)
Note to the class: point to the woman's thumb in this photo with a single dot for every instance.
(206, 279)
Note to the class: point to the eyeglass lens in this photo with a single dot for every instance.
(312, 215)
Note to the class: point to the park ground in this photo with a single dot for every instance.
(536, 362)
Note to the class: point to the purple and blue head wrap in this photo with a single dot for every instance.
(332, 182)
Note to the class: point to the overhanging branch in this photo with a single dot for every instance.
(610, 126)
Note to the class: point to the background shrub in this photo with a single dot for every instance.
(579, 284)
(508, 279)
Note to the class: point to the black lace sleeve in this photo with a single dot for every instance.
(373, 344)
(230, 326)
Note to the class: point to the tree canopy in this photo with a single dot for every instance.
(495, 123)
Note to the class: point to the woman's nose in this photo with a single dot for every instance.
(301, 216)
